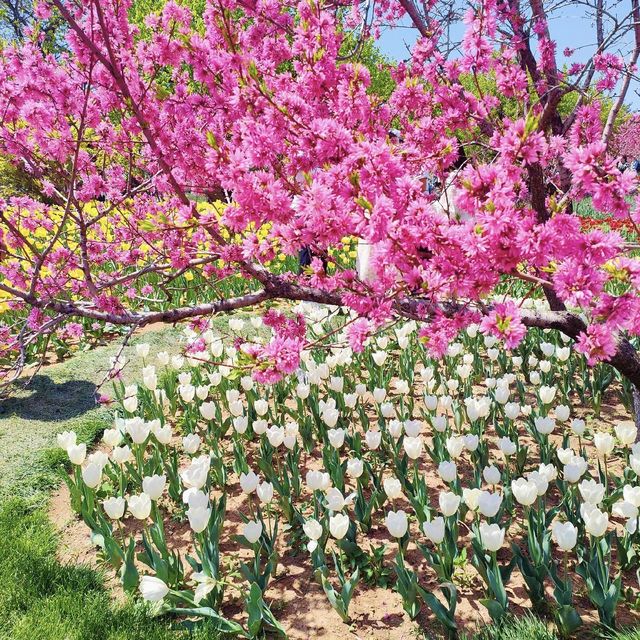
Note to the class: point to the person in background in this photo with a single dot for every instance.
(364, 249)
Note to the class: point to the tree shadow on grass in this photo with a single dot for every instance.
(49, 401)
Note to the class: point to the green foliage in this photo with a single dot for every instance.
(379, 66)
(140, 9)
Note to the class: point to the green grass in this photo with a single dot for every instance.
(60, 398)
(527, 627)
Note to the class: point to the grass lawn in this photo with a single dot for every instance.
(43, 599)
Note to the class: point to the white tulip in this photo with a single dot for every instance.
(392, 488)
(66, 439)
(202, 392)
(264, 492)
(198, 518)
(431, 402)
(302, 391)
(187, 392)
(548, 471)
(112, 437)
(92, 475)
(339, 525)
(578, 426)
(547, 394)
(249, 482)
(434, 530)
(547, 348)
(261, 406)
(397, 523)
(154, 485)
(153, 589)
(525, 492)
(163, 434)
(595, 521)
(114, 507)
(313, 530)
(350, 400)
(379, 395)
(491, 474)
(355, 467)
(140, 506)
(544, 424)
(314, 480)
(196, 474)
(413, 447)
(413, 428)
(236, 408)
(138, 429)
(491, 536)
(624, 509)
(562, 412)
(540, 480)
(373, 438)
(592, 491)
(379, 357)
(260, 426)
(471, 497)
(512, 410)
(604, 443)
(489, 503)
(236, 324)
(336, 437)
(626, 432)
(387, 410)
(191, 443)
(507, 446)
(448, 471)
(195, 498)
(77, 453)
(449, 503)
(208, 410)
(120, 455)
(564, 534)
(455, 445)
(471, 442)
(275, 436)
(330, 417)
(631, 494)
(439, 423)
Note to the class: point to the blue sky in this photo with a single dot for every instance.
(570, 27)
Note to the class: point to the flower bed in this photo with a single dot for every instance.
(486, 473)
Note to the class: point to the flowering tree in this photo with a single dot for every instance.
(626, 141)
(130, 137)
